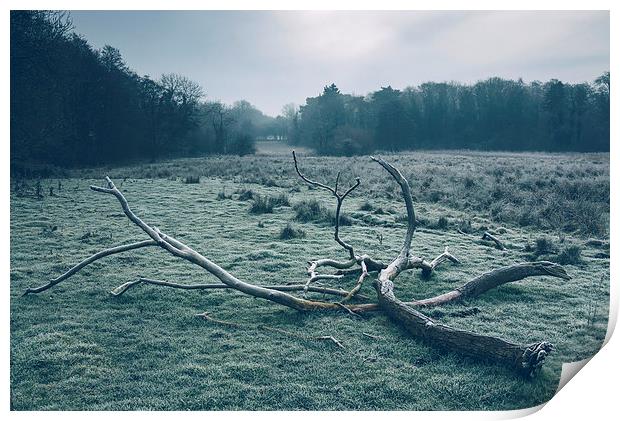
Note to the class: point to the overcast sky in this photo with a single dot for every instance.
(273, 58)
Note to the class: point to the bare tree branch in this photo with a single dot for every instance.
(121, 289)
(495, 278)
(498, 244)
(311, 182)
(88, 261)
(358, 285)
(339, 200)
(429, 267)
(525, 358)
(483, 283)
(179, 249)
(404, 185)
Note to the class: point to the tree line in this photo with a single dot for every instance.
(74, 105)
(494, 114)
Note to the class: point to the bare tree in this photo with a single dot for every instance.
(222, 118)
(524, 358)
(182, 90)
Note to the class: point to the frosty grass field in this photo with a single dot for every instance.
(77, 347)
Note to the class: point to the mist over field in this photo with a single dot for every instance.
(77, 105)
(404, 242)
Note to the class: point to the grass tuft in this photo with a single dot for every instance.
(543, 246)
(310, 211)
(223, 196)
(264, 204)
(367, 206)
(261, 205)
(245, 194)
(442, 223)
(290, 232)
(570, 255)
(75, 347)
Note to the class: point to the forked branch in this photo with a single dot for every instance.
(525, 358)
(339, 199)
(178, 249)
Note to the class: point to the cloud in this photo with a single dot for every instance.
(272, 58)
(515, 37)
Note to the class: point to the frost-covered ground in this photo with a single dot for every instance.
(77, 347)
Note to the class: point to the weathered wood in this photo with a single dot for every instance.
(445, 256)
(406, 191)
(121, 289)
(178, 249)
(525, 358)
(88, 261)
(498, 244)
(359, 283)
(481, 284)
(495, 278)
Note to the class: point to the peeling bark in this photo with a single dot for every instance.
(526, 359)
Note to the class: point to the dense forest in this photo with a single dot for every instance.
(73, 105)
(495, 114)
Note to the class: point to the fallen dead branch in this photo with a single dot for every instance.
(498, 244)
(525, 358)
(121, 289)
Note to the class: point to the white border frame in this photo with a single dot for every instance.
(591, 394)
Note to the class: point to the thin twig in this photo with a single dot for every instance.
(307, 180)
(330, 338)
(348, 310)
(339, 200)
